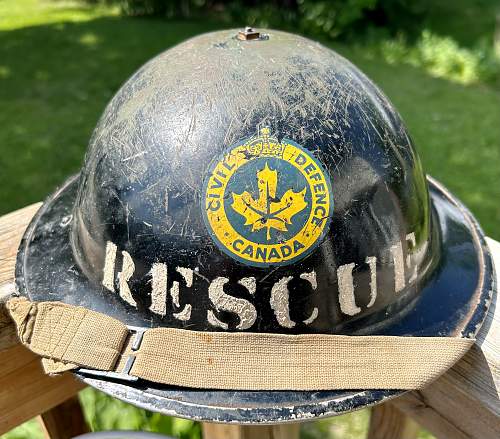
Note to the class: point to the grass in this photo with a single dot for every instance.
(61, 62)
(456, 130)
(468, 22)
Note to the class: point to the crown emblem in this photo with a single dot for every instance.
(265, 145)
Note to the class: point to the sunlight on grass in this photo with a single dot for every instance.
(442, 57)
(4, 72)
(22, 13)
(28, 430)
(75, 57)
(105, 413)
(89, 39)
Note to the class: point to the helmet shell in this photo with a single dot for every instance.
(171, 128)
(133, 235)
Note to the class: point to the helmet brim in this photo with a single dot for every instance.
(453, 302)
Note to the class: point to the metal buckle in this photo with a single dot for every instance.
(137, 333)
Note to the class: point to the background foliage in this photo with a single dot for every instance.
(323, 17)
(350, 20)
(61, 61)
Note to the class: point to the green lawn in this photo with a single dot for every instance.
(61, 62)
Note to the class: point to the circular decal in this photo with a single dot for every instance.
(267, 202)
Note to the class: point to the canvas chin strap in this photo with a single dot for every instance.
(69, 337)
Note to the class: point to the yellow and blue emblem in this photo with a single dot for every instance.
(267, 202)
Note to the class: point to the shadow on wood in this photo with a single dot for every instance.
(464, 403)
(64, 421)
(387, 422)
(224, 431)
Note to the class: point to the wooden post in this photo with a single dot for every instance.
(25, 390)
(224, 431)
(64, 421)
(463, 403)
(387, 422)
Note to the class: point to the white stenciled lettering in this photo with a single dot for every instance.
(159, 289)
(214, 321)
(159, 277)
(245, 310)
(249, 283)
(128, 268)
(312, 317)
(185, 313)
(399, 268)
(405, 261)
(346, 290)
(311, 278)
(372, 263)
(280, 302)
(108, 277)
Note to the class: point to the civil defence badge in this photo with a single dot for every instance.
(267, 202)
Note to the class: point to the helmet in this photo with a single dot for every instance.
(256, 182)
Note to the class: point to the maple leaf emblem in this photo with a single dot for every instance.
(268, 211)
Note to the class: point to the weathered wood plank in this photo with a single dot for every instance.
(64, 421)
(224, 431)
(12, 227)
(26, 391)
(388, 422)
(465, 402)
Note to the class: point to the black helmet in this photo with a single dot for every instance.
(257, 184)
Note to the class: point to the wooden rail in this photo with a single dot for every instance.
(463, 403)
(25, 390)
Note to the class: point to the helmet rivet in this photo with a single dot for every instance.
(249, 33)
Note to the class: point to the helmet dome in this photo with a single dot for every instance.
(262, 185)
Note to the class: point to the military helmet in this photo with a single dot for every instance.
(256, 182)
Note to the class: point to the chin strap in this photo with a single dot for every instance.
(70, 337)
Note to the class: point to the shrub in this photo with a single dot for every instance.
(392, 28)
(324, 18)
(443, 57)
(332, 18)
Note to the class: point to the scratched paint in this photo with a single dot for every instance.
(245, 310)
(163, 134)
(140, 189)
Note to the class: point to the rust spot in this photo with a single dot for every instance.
(210, 360)
(207, 338)
(248, 34)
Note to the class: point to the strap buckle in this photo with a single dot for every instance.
(137, 334)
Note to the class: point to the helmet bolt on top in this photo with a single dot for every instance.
(256, 184)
